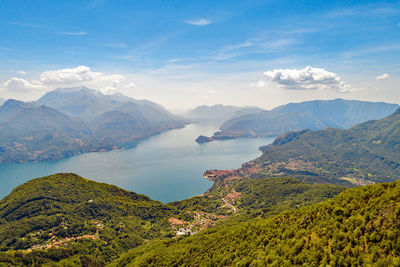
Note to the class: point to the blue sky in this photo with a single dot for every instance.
(186, 53)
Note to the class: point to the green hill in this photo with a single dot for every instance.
(77, 217)
(255, 197)
(66, 219)
(360, 226)
(367, 153)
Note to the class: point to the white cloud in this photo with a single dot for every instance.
(20, 85)
(199, 22)
(22, 72)
(384, 76)
(308, 78)
(73, 33)
(174, 60)
(81, 75)
(67, 76)
(131, 85)
(27, 25)
(259, 84)
(109, 90)
(212, 91)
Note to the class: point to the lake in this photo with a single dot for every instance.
(165, 167)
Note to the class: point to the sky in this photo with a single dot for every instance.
(183, 54)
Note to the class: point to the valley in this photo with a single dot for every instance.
(171, 162)
(199, 133)
(289, 212)
(70, 121)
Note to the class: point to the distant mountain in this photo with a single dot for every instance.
(134, 120)
(218, 113)
(122, 127)
(11, 107)
(364, 154)
(82, 102)
(313, 115)
(2, 100)
(36, 133)
(67, 122)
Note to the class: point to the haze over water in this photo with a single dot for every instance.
(165, 167)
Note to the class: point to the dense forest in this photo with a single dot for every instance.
(360, 226)
(67, 219)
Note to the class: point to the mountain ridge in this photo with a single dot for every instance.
(79, 124)
(366, 153)
(314, 115)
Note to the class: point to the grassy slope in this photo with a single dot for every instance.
(359, 226)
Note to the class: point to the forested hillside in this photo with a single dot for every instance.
(67, 216)
(66, 219)
(365, 154)
(313, 115)
(358, 227)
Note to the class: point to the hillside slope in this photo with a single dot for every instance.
(367, 153)
(68, 212)
(70, 121)
(358, 227)
(313, 115)
(38, 133)
(66, 219)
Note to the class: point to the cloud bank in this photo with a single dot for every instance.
(308, 78)
(384, 76)
(78, 74)
(20, 85)
(69, 77)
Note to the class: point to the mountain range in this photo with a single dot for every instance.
(366, 153)
(66, 122)
(282, 208)
(313, 115)
(217, 113)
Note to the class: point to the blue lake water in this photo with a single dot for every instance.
(165, 167)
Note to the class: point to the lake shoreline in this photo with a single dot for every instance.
(166, 167)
